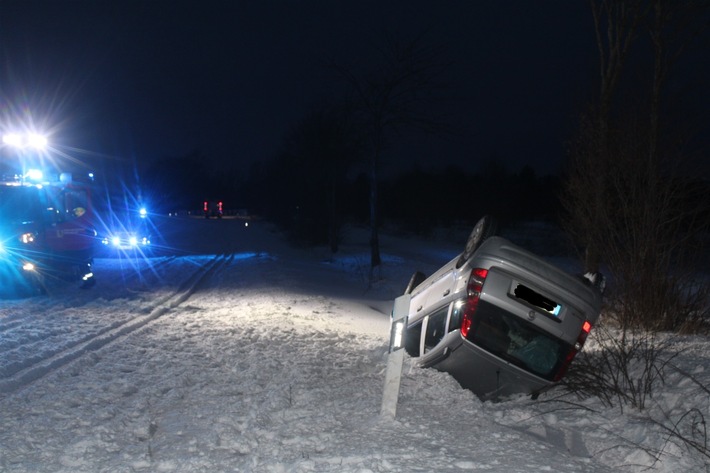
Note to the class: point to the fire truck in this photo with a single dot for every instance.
(47, 231)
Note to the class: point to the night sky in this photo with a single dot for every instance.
(127, 81)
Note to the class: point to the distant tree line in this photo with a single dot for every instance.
(419, 201)
(311, 204)
(182, 183)
(327, 171)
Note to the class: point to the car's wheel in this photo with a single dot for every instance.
(596, 279)
(486, 227)
(416, 279)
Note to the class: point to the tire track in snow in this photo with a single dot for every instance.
(152, 270)
(34, 337)
(18, 317)
(13, 322)
(96, 341)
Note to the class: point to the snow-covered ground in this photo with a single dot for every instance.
(234, 352)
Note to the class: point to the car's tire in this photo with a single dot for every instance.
(485, 228)
(596, 279)
(416, 279)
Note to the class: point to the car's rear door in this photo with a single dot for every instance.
(539, 301)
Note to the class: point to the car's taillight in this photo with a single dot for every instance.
(586, 328)
(581, 338)
(473, 291)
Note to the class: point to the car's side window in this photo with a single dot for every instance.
(413, 338)
(436, 327)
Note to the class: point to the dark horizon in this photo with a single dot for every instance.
(141, 81)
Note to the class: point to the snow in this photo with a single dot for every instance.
(232, 351)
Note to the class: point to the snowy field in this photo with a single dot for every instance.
(231, 351)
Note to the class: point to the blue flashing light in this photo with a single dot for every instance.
(34, 175)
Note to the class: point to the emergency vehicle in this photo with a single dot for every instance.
(127, 229)
(47, 230)
(213, 209)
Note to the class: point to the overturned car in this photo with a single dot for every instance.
(47, 232)
(500, 319)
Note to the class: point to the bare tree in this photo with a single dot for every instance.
(626, 204)
(324, 145)
(616, 26)
(673, 28)
(400, 93)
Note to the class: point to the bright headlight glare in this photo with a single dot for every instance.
(29, 140)
(27, 238)
(116, 241)
(12, 139)
(28, 266)
(133, 241)
(36, 141)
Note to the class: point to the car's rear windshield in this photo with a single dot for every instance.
(518, 341)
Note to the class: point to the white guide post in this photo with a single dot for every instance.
(395, 358)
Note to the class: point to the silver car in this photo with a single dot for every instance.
(500, 319)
